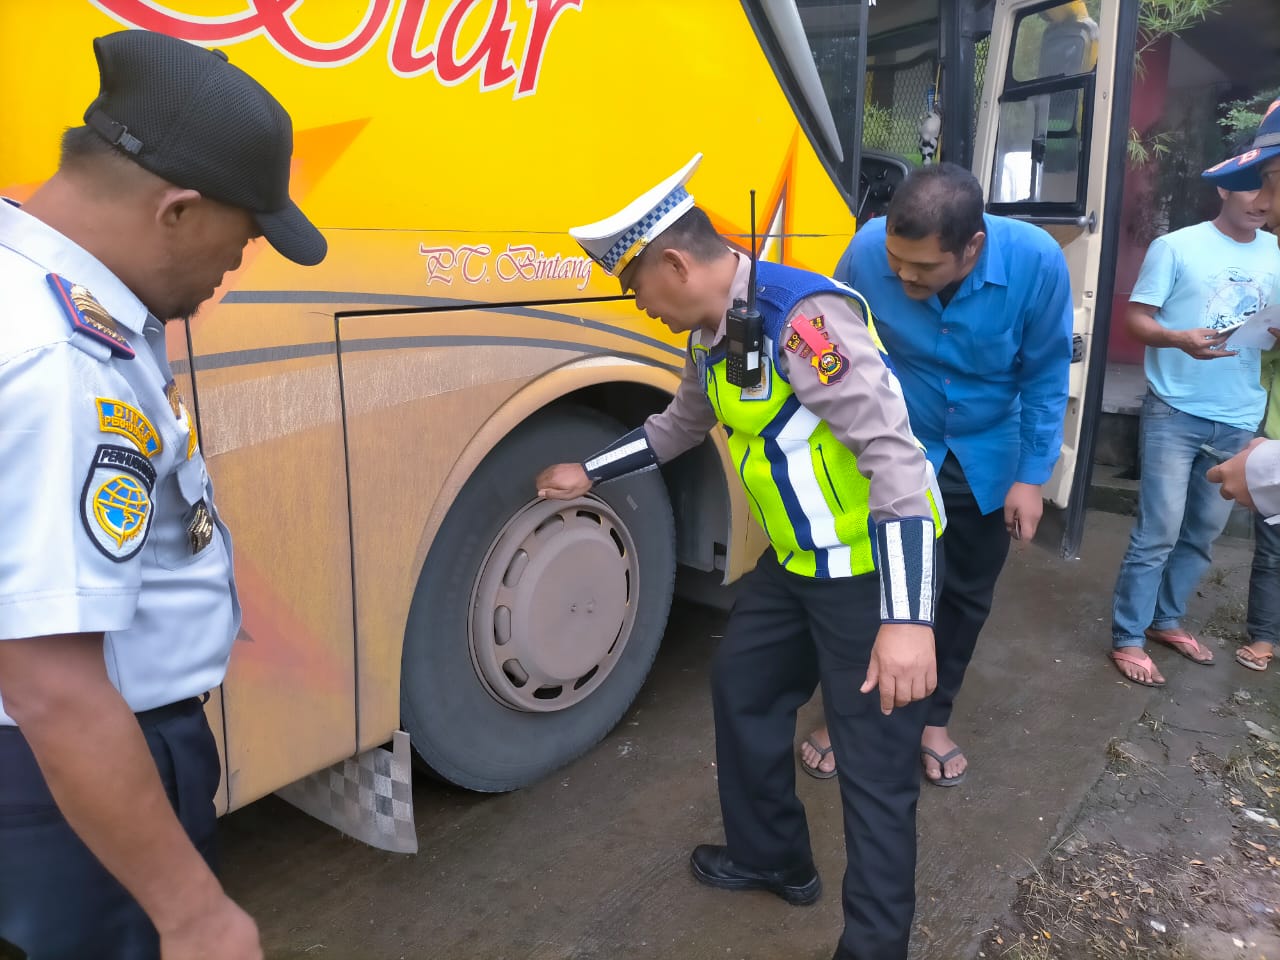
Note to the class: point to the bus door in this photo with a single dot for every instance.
(1050, 149)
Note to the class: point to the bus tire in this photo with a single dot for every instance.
(535, 622)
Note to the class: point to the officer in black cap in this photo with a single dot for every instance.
(117, 598)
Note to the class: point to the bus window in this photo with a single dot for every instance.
(1059, 41)
(1042, 156)
(817, 48)
(833, 31)
(1036, 161)
(903, 41)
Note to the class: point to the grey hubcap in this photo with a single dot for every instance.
(554, 604)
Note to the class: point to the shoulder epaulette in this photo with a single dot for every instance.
(87, 316)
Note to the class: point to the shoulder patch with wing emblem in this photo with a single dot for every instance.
(88, 317)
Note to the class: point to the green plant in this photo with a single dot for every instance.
(1243, 116)
(1143, 149)
(1158, 19)
(1164, 18)
(893, 132)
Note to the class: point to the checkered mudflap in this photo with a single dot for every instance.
(368, 797)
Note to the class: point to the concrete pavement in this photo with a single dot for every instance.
(593, 862)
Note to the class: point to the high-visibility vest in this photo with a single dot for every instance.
(802, 483)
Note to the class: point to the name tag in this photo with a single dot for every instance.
(764, 390)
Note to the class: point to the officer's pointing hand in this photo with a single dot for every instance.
(564, 481)
(902, 665)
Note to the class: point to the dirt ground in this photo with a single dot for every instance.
(1175, 854)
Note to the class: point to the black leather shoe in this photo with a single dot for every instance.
(711, 865)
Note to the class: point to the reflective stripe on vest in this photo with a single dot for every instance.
(802, 484)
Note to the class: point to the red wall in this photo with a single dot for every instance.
(1144, 110)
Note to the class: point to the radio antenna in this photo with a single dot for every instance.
(751, 282)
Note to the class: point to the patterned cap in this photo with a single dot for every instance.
(1244, 173)
(615, 241)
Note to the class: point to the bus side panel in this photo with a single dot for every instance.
(271, 429)
(180, 358)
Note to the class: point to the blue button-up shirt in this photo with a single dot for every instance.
(985, 376)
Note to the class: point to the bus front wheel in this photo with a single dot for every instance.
(535, 622)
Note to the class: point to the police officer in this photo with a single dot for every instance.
(844, 596)
(117, 601)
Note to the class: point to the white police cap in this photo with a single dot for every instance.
(615, 241)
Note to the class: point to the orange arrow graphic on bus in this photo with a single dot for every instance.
(773, 214)
(315, 151)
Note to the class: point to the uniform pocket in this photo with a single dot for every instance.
(989, 345)
(170, 529)
(877, 749)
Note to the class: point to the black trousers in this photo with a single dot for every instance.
(57, 902)
(975, 547)
(785, 634)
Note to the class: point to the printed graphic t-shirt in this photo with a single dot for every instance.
(1199, 277)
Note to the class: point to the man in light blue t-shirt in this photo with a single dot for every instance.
(1194, 283)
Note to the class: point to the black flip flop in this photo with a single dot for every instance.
(942, 765)
(822, 755)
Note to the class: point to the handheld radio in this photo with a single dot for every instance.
(744, 328)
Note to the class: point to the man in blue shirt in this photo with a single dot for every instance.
(975, 313)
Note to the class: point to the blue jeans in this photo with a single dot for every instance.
(1180, 514)
(1264, 583)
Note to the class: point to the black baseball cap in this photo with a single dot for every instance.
(189, 116)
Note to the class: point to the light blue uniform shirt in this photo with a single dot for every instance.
(102, 480)
(986, 376)
(1199, 277)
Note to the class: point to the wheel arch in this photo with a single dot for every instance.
(709, 510)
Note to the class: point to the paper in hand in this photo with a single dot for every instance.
(1253, 332)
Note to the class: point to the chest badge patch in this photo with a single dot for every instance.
(115, 505)
(811, 340)
(116, 416)
(200, 527)
(174, 396)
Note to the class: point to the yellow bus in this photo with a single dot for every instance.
(373, 425)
